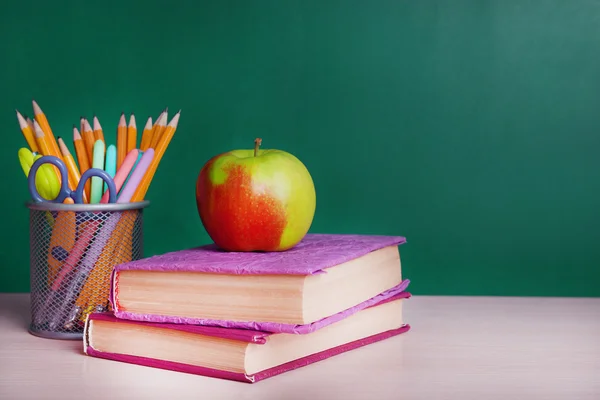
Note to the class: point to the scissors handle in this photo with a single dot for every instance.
(63, 192)
(112, 188)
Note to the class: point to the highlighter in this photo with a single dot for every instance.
(98, 163)
(110, 164)
(46, 182)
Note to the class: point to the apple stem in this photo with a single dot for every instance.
(257, 143)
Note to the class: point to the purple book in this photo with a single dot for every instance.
(316, 254)
(162, 349)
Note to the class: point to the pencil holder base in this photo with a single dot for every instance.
(54, 335)
(73, 249)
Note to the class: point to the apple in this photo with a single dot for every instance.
(255, 200)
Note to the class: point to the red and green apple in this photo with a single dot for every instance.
(255, 199)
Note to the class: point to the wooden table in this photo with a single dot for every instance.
(459, 348)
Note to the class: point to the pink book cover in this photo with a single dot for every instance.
(244, 335)
(313, 255)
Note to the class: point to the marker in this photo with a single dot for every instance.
(98, 163)
(110, 164)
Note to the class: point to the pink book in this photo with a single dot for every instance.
(324, 279)
(244, 355)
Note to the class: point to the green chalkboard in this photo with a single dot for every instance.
(470, 127)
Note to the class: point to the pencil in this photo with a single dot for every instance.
(158, 130)
(121, 140)
(44, 146)
(41, 119)
(131, 136)
(98, 132)
(88, 139)
(82, 158)
(30, 123)
(146, 135)
(165, 139)
(74, 174)
(27, 133)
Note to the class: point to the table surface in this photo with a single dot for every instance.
(464, 348)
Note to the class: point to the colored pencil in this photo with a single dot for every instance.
(146, 135)
(131, 135)
(159, 128)
(98, 132)
(88, 139)
(121, 140)
(27, 133)
(161, 147)
(74, 175)
(30, 123)
(41, 119)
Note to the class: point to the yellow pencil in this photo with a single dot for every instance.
(74, 174)
(27, 133)
(159, 151)
(30, 123)
(121, 140)
(98, 132)
(159, 129)
(41, 119)
(88, 138)
(146, 135)
(131, 135)
(44, 146)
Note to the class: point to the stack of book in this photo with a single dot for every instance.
(250, 316)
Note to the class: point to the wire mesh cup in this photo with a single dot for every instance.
(73, 249)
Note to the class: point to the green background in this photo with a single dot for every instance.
(470, 127)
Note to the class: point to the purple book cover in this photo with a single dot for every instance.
(244, 335)
(313, 255)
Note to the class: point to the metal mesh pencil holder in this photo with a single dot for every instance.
(73, 249)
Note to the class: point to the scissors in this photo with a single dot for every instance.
(64, 191)
(46, 180)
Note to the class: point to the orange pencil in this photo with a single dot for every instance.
(27, 133)
(131, 135)
(74, 175)
(121, 140)
(81, 125)
(88, 138)
(159, 129)
(44, 146)
(82, 158)
(165, 139)
(98, 133)
(30, 123)
(146, 135)
(41, 119)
